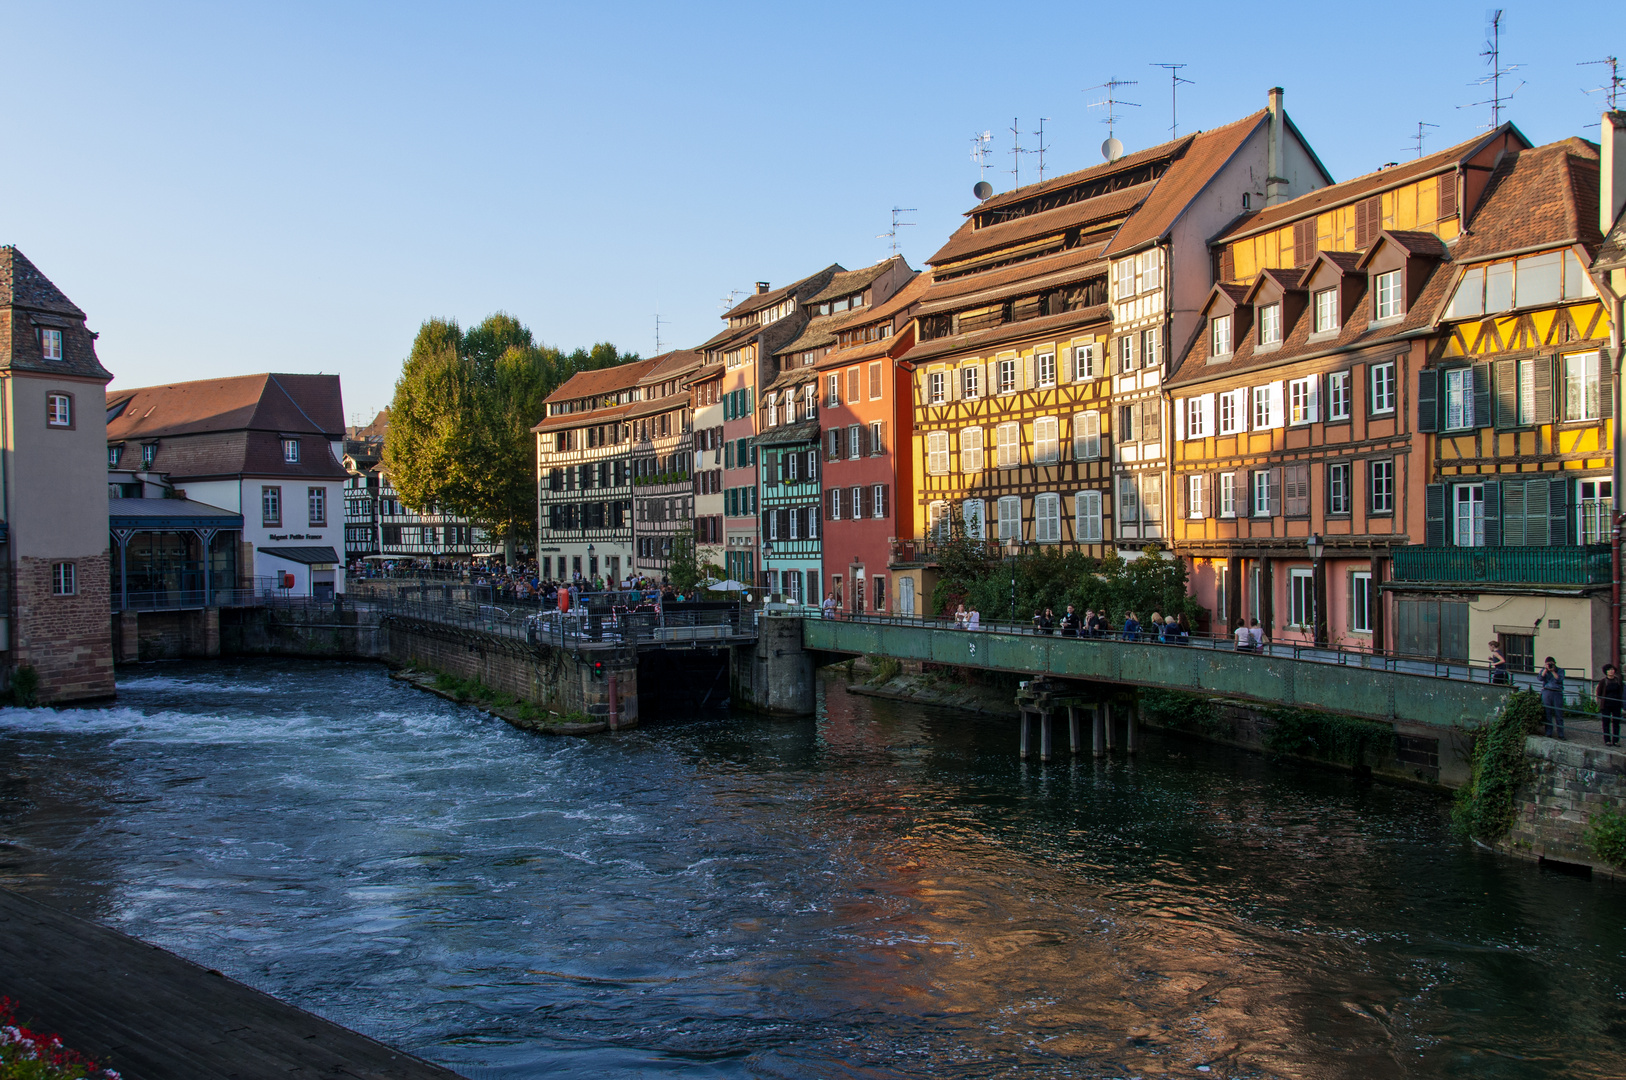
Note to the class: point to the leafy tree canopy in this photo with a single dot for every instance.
(460, 424)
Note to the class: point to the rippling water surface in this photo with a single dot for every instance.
(884, 891)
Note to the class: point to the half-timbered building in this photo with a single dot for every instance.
(706, 403)
(1518, 399)
(662, 456)
(1294, 445)
(584, 474)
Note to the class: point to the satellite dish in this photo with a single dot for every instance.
(983, 189)
(1112, 149)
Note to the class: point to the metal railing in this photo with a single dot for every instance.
(1575, 565)
(583, 625)
(1577, 679)
(184, 599)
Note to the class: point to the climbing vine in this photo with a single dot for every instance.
(1606, 837)
(1486, 804)
(1328, 737)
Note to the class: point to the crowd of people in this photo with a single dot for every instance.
(521, 582)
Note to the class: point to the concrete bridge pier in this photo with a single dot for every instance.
(1112, 735)
(775, 674)
(1045, 716)
(1072, 729)
(1022, 739)
(1098, 728)
(1132, 727)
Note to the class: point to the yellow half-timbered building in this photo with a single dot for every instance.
(1518, 404)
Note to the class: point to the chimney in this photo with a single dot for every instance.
(762, 287)
(1611, 169)
(1275, 182)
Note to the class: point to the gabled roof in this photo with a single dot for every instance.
(1423, 245)
(1285, 280)
(1612, 255)
(297, 404)
(22, 285)
(968, 240)
(757, 301)
(674, 364)
(821, 331)
(1014, 331)
(1044, 272)
(1345, 262)
(1127, 163)
(847, 282)
(590, 384)
(1541, 196)
(1358, 188)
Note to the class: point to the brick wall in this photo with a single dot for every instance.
(67, 639)
(1567, 784)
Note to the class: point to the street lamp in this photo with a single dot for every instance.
(767, 552)
(1316, 548)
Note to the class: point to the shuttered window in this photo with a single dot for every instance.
(1303, 242)
(937, 453)
(1445, 201)
(1368, 221)
(1009, 446)
(1087, 517)
(1046, 442)
(1047, 518)
(875, 381)
(1010, 520)
(1296, 490)
(1086, 436)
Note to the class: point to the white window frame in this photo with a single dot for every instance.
(1270, 324)
(316, 507)
(1340, 492)
(1339, 400)
(1300, 597)
(1326, 310)
(1046, 440)
(1233, 409)
(1582, 386)
(971, 450)
(970, 381)
(1127, 346)
(974, 519)
(1007, 375)
(1594, 510)
(1261, 493)
(1459, 399)
(835, 504)
(1360, 601)
(290, 451)
(1196, 495)
(50, 343)
(1304, 404)
(1381, 489)
(936, 387)
(1086, 436)
(58, 409)
(1389, 295)
(1044, 367)
(1382, 381)
(1087, 517)
(64, 579)
(1227, 495)
(1085, 365)
(1468, 515)
(855, 441)
(832, 390)
(1219, 336)
(937, 453)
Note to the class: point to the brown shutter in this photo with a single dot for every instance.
(1303, 242)
(1227, 264)
(852, 384)
(863, 438)
(1368, 221)
(1446, 203)
(830, 505)
(886, 502)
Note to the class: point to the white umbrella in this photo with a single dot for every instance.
(729, 586)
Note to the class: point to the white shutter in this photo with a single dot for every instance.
(1180, 418)
(1315, 398)
(1205, 409)
(1277, 401)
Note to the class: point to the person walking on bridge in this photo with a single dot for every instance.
(1610, 695)
(1552, 699)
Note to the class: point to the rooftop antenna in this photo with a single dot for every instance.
(892, 234)
(1174, 96)
(1418, 138)
(1112, 149)
(981, 148)
(1493, 56)
(1040, 134)
(728, 301)
(658, 321)
(1612, 87)
(1017, 151)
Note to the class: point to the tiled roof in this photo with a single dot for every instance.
(1357, 188)
(1126, 163)
(29, 302)
(588, 384)
(850, 281)
(727, 335)
(804, 431)
(968, 241)
(1356, 333)
(1612, 255)
(866, 350)
(1185, 179)
(296, 404)
(1047, 271)
(978, 340)
(800, 375)
(22, 285)
(567, 421)
(674, 364)
(757, 301)
(1546, 195)
(1347, 262)
(305, 556)
(821, 331)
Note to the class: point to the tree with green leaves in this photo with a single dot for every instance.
(460, 425)
(683, 570)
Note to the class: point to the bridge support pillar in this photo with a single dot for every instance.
(1022, 745)
(1132, 728)
(1044, 734)
(1072, 729)
(776, 674)
(1098, 729)
(1106, 709)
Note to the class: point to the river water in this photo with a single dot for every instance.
(884, 891)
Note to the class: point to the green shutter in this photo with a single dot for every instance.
(1558, 513)
(1543, 390)
(1434, 515)
(1428, 400)
(1506, 377)
(1493, 513)
(1482, 395)
(1513, 513)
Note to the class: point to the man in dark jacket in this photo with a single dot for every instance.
(1610, 696)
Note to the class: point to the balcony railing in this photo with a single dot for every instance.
(1580, 565)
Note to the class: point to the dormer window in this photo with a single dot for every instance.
(290, 451)
(1391, 300)
(1326, 310)
(1219, 335)
(149, 451)
(1270, 324)
(113, 455)
(773, 411)
(51, 344)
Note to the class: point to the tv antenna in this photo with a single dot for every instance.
(658, 321)
(1612, 87)
(1174, 96)
(1418, 138)
(892, 234)
(1112, 149)
(981, 148)
(728, 301)
(1040, 151)
(1017, 151)
(1493, 56)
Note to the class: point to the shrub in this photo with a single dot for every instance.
(25, 686)
(1344, 739)
(1485, 806)
(1176, 709)
(1523, 710)
(886, 669)
(1606, 837)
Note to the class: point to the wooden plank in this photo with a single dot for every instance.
(155, 1016)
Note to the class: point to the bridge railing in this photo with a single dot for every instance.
(1578, 682)
(605, 626)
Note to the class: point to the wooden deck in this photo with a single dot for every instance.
(154, 1016)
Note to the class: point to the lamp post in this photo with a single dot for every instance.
(1316, 548)
(591, 563)
(767, 552)
(1013, 584)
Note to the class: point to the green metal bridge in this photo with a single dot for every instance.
(1411, 691)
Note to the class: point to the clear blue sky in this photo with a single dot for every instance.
(231, 188)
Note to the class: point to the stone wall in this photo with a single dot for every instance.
(315, 630)
(66, 639)
(774, 675)
(1567, 784)
(165, 635)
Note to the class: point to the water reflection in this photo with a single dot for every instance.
(885, 891)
